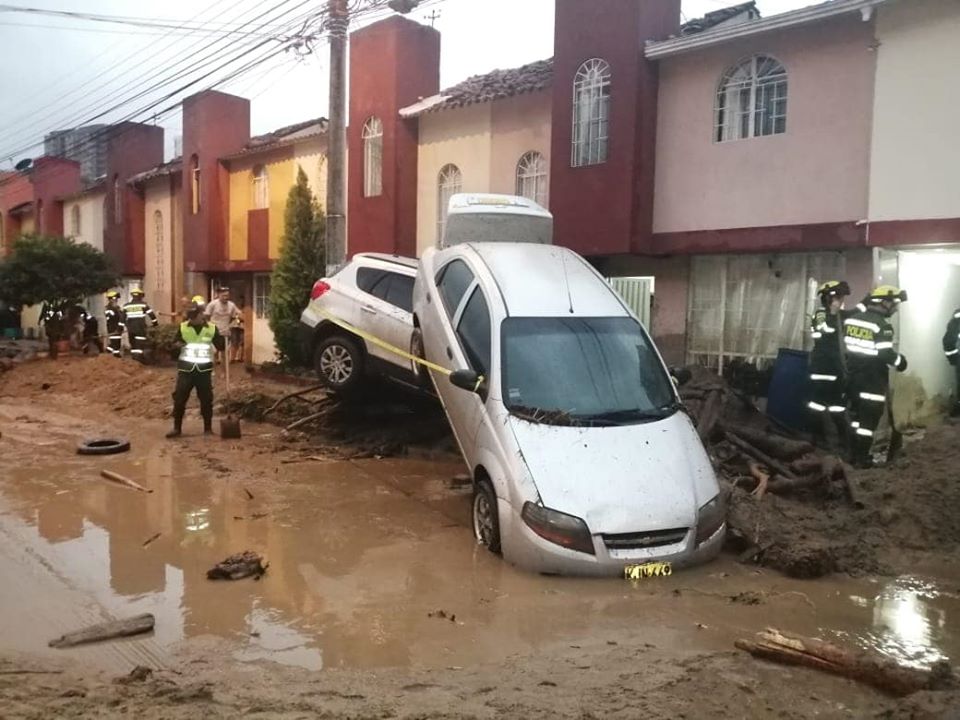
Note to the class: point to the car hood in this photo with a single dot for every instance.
(633, 478)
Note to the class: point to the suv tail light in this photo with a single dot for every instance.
(319, 288)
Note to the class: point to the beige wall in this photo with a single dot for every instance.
(815, 172)
(159, 280)
(91, 219)
(518, 125)
(916, 154)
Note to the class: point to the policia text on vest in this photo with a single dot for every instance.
(198, 339)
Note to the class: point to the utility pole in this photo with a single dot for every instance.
(338, 21)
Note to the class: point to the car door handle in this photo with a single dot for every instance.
(367, 309)
(449, 353)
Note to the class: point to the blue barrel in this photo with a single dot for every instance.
(787, 396)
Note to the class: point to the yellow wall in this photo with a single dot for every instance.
(27, 224)
(159, 280)
(239, 205)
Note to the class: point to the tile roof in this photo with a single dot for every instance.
(98, 186)
(717, 17)
(495, 85)
(305, 128)
(162, 170)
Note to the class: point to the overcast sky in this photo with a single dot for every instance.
(61, 72)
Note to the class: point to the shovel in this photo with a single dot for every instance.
(229, 426)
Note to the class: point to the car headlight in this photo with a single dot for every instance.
(710, 518)
(557, 527)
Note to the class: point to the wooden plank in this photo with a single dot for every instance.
(123, 480)
(105, 631)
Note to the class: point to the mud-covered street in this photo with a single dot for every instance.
(377, 601)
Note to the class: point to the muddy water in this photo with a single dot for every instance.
(363, 555)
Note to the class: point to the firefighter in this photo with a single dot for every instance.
(868, 337)
(198, 339)
(951, 348)
(115, 326)
(827, 367)
(137, 317)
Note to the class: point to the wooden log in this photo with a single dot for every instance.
(106, 631)
(289, 396)
(123, 480)
(757, 454)
(305, 420)
(807, 464)
(775, 445)
(784, 486)
(762, 478)
(709, 415)
(868, 668)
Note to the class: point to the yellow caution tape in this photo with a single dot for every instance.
(384, 344)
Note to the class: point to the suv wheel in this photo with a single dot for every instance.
(339, 363)
(486, 520)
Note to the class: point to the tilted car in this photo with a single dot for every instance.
(582, 459)
(372, 293)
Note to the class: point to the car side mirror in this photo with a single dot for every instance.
(469, 380)
(681, 375)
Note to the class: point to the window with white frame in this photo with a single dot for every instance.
(159, 250)
(532, 177)
(75, 221)
(752, 100)
(195, 184)
(449, 183)
(261, 188)
(261, 296)
(372, 157)
(591, 113)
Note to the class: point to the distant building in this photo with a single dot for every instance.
(86, 145)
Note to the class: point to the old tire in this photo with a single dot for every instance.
(338, 361)
(421, 376)
(486, 520)
(103, 446)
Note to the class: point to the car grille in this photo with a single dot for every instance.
(635, 541)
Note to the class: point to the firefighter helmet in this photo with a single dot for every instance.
(834, 288)
(197, 300)
(112, 294)
(887, 292)
(136, 291)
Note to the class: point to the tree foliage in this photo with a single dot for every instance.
(53, 270)
(302, 261)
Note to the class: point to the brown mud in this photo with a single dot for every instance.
(369, 559)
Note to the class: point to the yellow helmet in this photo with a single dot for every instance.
(197, 300)
(887, 292)
(136, 291)
(112, 294)
(837, 288)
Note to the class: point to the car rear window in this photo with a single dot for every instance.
(367, 278)
(390, 287)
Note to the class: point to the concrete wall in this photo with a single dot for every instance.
(461, 137)
(517, 126)
(91, 219)
(916, 109)
(815, 172)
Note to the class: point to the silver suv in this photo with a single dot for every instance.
(373, 293)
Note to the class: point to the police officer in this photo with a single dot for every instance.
(198, 338)
(827, 368)
(951, 348)
(868, 337)
(115, 326)
(138, 316)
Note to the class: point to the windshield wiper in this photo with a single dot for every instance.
(634, 414)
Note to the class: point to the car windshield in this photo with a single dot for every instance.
(583, 371)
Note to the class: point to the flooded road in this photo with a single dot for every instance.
(363, 555)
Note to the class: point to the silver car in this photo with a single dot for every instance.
(582, 459)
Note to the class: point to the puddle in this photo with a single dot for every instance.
(362, 556)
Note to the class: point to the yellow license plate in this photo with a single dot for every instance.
(647, 570)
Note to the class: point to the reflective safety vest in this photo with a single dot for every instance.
(868, 335)
(197, 353)
(951, 338)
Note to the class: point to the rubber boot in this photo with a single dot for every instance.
(207, 425)
(177, 428)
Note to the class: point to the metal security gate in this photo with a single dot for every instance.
(636, 293)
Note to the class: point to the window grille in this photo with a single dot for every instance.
(532, 177)
(591, 113)
(372, 157)
(752, 100)
(449, 183)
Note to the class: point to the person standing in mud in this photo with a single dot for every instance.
(868, 338)
(198, 340)
(827, 368)
(951, 348)
(222, 312)
(137, 317)
(115, 327)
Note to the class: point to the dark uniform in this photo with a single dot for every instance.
(195, 370)
(868, 337)
(951, 348)
(137, 317)
(827, 368)
(115, 328)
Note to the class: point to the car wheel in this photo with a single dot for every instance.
(421, 375)
(486, 521)
(339, 363)
(104, 446)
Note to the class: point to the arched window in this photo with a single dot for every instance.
(752, 100)
(532, 177)
(449, 183)
(591, 113)
(117, 200)
(75, 221)
(160, 251)
(194, 184)
(372, 157)
(261, 188)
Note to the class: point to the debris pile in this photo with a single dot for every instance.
(805, 512)
(15, 352)
(239, 566)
